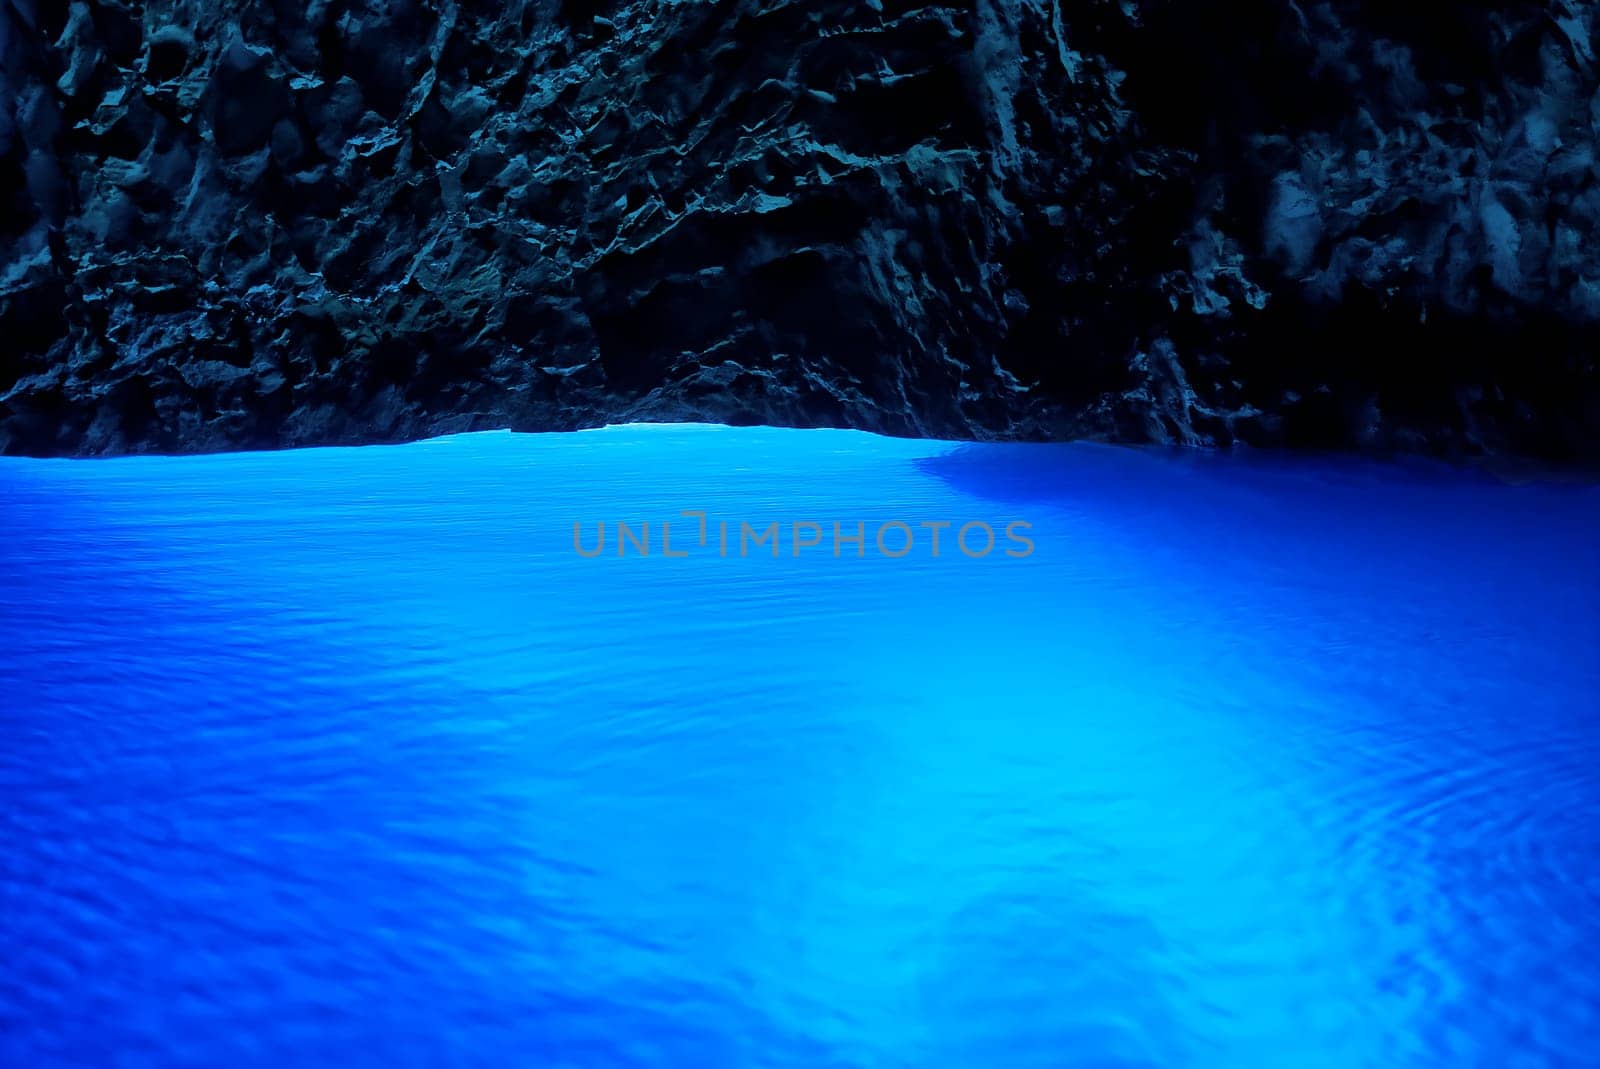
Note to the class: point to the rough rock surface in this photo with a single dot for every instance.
(1325, 223)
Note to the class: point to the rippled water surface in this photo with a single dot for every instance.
(347, 757)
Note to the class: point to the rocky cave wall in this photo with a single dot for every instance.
(1323, 223)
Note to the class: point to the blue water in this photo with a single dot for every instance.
(346, 757)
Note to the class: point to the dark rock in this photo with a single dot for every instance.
(1334, 223)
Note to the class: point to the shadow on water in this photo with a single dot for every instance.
(1276, 501)
(1077, 472)
(1023, 974)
